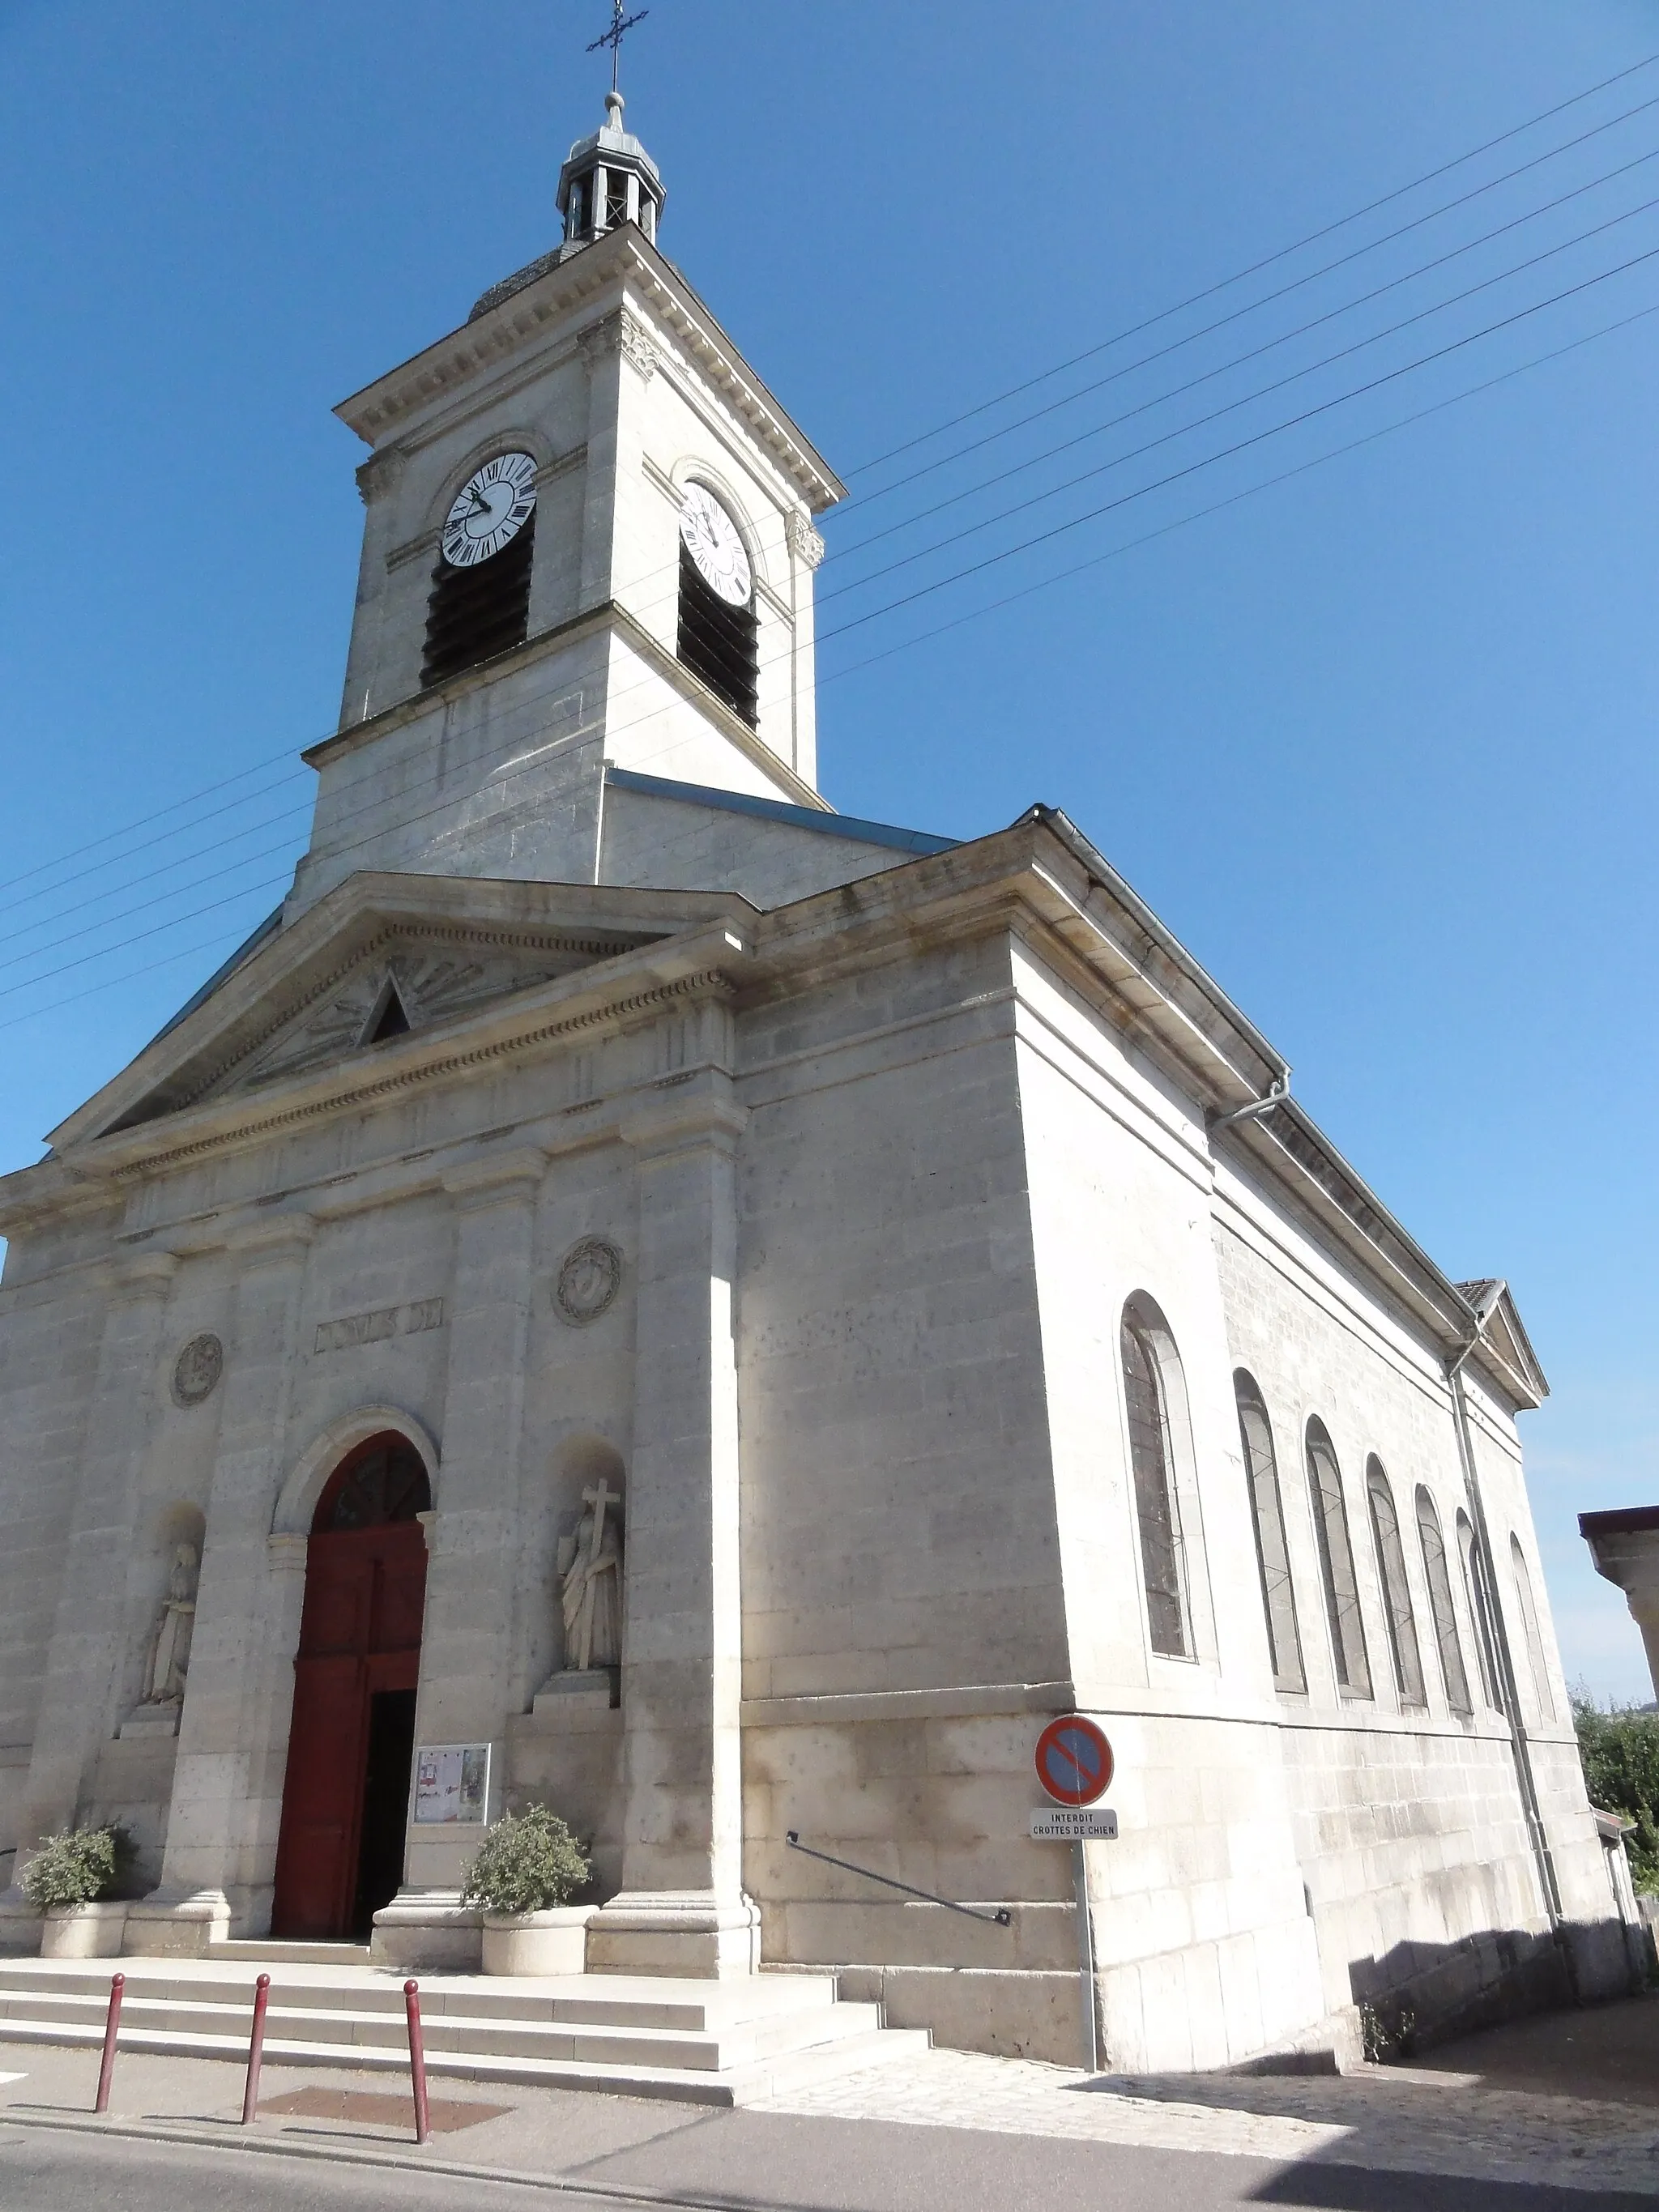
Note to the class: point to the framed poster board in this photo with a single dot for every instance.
(452, 1784)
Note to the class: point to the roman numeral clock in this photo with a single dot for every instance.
(480, 602)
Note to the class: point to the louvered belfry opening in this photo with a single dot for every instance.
(720, 643)
(475, 612)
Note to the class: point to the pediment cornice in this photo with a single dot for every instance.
(620, 265)
(461, 950)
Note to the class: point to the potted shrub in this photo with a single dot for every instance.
(528, 1867)
(72, 1881)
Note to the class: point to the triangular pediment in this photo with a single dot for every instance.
(1505, 1345)
(380, 960)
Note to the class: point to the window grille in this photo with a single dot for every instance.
(720, 643)
(1272, 1556)
(1543, 1695)
(1480, 1601)
(1336, 1569)
(473, 613)
(1438, 1576)
(1155, 1501)
(1396, 1591)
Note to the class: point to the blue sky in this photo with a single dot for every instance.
(1377, 742)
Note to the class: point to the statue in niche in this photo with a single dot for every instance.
(169, 1658)
(590, 1571)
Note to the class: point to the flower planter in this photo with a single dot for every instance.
(84, 1931)
(552, 1942)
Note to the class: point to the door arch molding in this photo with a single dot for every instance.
(297, 1502)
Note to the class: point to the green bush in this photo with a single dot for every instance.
(1620, 1751)
(83, 1866)
(527, 1863)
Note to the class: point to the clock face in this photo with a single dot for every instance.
(711, 538)
(490, 509)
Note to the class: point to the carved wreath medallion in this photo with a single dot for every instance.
(589, 1280)
(197, 1370)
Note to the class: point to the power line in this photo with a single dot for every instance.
(1046, 583)
(1237, 361)
(1293, 421)
(1284, 254)
(951, 423)
(1232, 406)
(1274, 430)
(978, 568)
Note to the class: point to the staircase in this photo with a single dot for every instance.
(712, 2043)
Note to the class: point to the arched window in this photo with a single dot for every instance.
(1267, 1515)
(1438, 1576)
(479, 603)
(1474, 1588)
(1396, 1592)
(1156, 1508)
(718, 635)
(1542, 1694)
(1336, 1564)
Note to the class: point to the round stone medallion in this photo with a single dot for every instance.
(589, 1280)
(197, 1370)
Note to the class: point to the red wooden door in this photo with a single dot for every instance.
(360, 1633)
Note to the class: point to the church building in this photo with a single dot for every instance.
(636, 1293)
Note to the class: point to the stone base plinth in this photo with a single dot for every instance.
(19, 1923)
(84, 1931)
(428, 1929)
(163, 1926)
(568, 1700)
(149, 1721)
(685, 1933)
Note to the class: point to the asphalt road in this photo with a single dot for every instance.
(789, 2166)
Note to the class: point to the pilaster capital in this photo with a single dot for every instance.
(619, 332)
(270, 1238)
(703, 1114)
(497, 1178)
(381, 474)
(146, 1271)
(805, 541)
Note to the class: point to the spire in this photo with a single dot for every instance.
(609, 179)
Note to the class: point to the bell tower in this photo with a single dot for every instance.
(589, 540)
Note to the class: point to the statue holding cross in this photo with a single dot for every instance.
(590, 1568)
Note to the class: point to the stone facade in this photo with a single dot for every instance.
(870, 1143)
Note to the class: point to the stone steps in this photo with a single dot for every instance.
(716, 2042)
(295, 1954)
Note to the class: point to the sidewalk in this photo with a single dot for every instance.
(1442, 2118)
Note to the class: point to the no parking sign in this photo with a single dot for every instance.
(1075, 1760)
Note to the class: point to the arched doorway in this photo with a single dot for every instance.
(345, 1797)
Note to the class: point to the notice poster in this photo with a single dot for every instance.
(451, 1783)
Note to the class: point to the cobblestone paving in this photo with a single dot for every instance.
(1384, 2119)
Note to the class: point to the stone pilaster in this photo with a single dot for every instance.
(85, 1661)
(681, 1909)
(467, 1647)
(220, 1860)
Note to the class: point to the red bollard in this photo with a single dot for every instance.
(113, 2029)
(417, 2060)
(256, 2049)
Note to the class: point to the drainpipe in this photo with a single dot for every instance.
(1276, 1096)
(1523, 1768)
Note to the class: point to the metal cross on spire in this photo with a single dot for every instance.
(621, 25)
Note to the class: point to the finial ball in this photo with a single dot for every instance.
(614, 105)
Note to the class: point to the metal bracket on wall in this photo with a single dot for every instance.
(1000, 1919)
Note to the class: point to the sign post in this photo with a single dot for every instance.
(1074, 1764)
